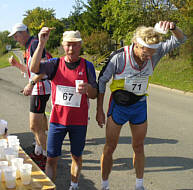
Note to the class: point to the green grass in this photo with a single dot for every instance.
(4, 60)
(174, 73)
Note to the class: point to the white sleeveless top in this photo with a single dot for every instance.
(136, 80)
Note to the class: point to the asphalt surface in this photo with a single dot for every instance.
(168, 145)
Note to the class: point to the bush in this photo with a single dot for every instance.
(96, 43)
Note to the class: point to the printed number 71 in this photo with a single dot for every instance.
(135, 85)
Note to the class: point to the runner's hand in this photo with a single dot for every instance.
(44, 34)
(28, 90)
(12, 61)
(83, 88)
(100, 118)
(167, 25)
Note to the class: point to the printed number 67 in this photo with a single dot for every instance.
(67, 96)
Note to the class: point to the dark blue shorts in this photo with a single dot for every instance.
(38, 103)
(56, 135)
(135, 114)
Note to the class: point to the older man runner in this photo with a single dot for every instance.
(131, 67)
(39, 90)
(70, 108)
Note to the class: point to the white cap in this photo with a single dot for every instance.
(18, 28)
(72, 36)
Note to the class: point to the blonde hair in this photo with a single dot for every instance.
(147, 34)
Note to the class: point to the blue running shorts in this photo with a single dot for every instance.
(56, 135)
(135, 113)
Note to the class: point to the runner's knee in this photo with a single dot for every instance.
(138, 148)
(36, 124)
(109, 149)
(35, 127)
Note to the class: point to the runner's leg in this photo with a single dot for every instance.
(36, 123)
(112, 137)
(76, 167)
(51, 168)
(138, 136)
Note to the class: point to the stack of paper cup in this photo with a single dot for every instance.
(10, 177)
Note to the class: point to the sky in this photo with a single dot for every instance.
(12, 11)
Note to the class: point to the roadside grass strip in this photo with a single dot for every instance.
(4, 60)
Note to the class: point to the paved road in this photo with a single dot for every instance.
(169, 144)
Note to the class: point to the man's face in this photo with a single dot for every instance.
(145, 53)
(72, 49)
(18, 36)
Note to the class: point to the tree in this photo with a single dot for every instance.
(185, 20)
(37, 18)
(4, 40)
(93, 20)
(121, 17)
(75, 19)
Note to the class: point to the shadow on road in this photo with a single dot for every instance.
(165, 164)
(127, 140)
(153, 164)
(63, 174)
(157, 164)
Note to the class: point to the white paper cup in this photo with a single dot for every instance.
(3, 125)
(2, 150)
(10, 177)
(3, 142)
(25, 172)
(10, 157)
(10, 154)
(17, 163)
(159, 29)
(12, 138)
(77, 82)
(2, 171)
(3, 163)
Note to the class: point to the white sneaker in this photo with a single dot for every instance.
(105, 188)
(140, 188)
(73, 188)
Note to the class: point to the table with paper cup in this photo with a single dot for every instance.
(39, 180)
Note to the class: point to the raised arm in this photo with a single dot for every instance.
(43, 38)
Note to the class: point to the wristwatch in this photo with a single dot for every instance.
(173, 27)
(32, 83)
